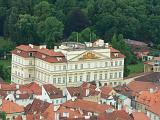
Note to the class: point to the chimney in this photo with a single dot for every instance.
(17, 86)
(30, 45)
(42, 46)
(151, 90)
(87, 92)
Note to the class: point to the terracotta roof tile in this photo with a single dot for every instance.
(11, 107)
(52, 91)
(138, 86)
(34, 87)
(72, 113)
(115, 115)
(155, 108)
(18, 118)
(43, 53)
(105, 90)
(140, 116)
(87, 106)
(8, 87)
(149, 98)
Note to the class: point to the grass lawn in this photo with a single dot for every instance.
(136, 68)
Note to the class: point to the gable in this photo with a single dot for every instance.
(88, 56)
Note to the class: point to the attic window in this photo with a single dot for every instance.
(18, 51)
(43, 56)
(116, 54)
(59, 59)
(30, 54)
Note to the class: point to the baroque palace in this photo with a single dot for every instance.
(69, 64)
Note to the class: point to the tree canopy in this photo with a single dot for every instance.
(24, 21)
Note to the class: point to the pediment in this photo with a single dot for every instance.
(88, 55)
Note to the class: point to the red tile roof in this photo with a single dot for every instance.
(80, 91)
(138, 86)
(34, 87)
(43, 53)
(11, 107)
(105, 90)
(115, 115)
(140, 116)
(116, 53)
(148, 98)
(8, 87)
(87, 106)
(155, 108)
(52, 91)
(72, 113)
(37, 107)
(18, 118)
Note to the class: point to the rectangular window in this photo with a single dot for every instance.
(116, 63)
(81, 66)
(59, 80)
(115, 75)
(106, 75)
(95, 76)
(111, 63)
(120, 63)
(100, 76)
(111, 75)
(30, 62)
(64, 67)
(64, 79)
(75, 78)
(95, 65)
(76, 67)
(81, 77)
(106, 64)
(88, 76)
(54, 80)
(70, 79)
(120, 74)
(88, 65)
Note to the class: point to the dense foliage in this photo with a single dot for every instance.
(2, 115)
(49, 21)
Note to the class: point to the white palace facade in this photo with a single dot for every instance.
(69, 64)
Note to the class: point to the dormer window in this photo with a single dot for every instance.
(30, 54)
(18, 51)
(43, 56)
(116, 54)
(59, 59)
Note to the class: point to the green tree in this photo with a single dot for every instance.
(76, 21)
(3, 115)
(87, 35)
(26, 27)
(43, 10)
(52, 32)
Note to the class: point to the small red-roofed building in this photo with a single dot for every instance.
(11, 109)
(153, 112)
(146, 99)
(52, 95)
(40, 109)
(86, 91)
(87, 108)
(107, 95)
(140, 116)
(115, 115)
